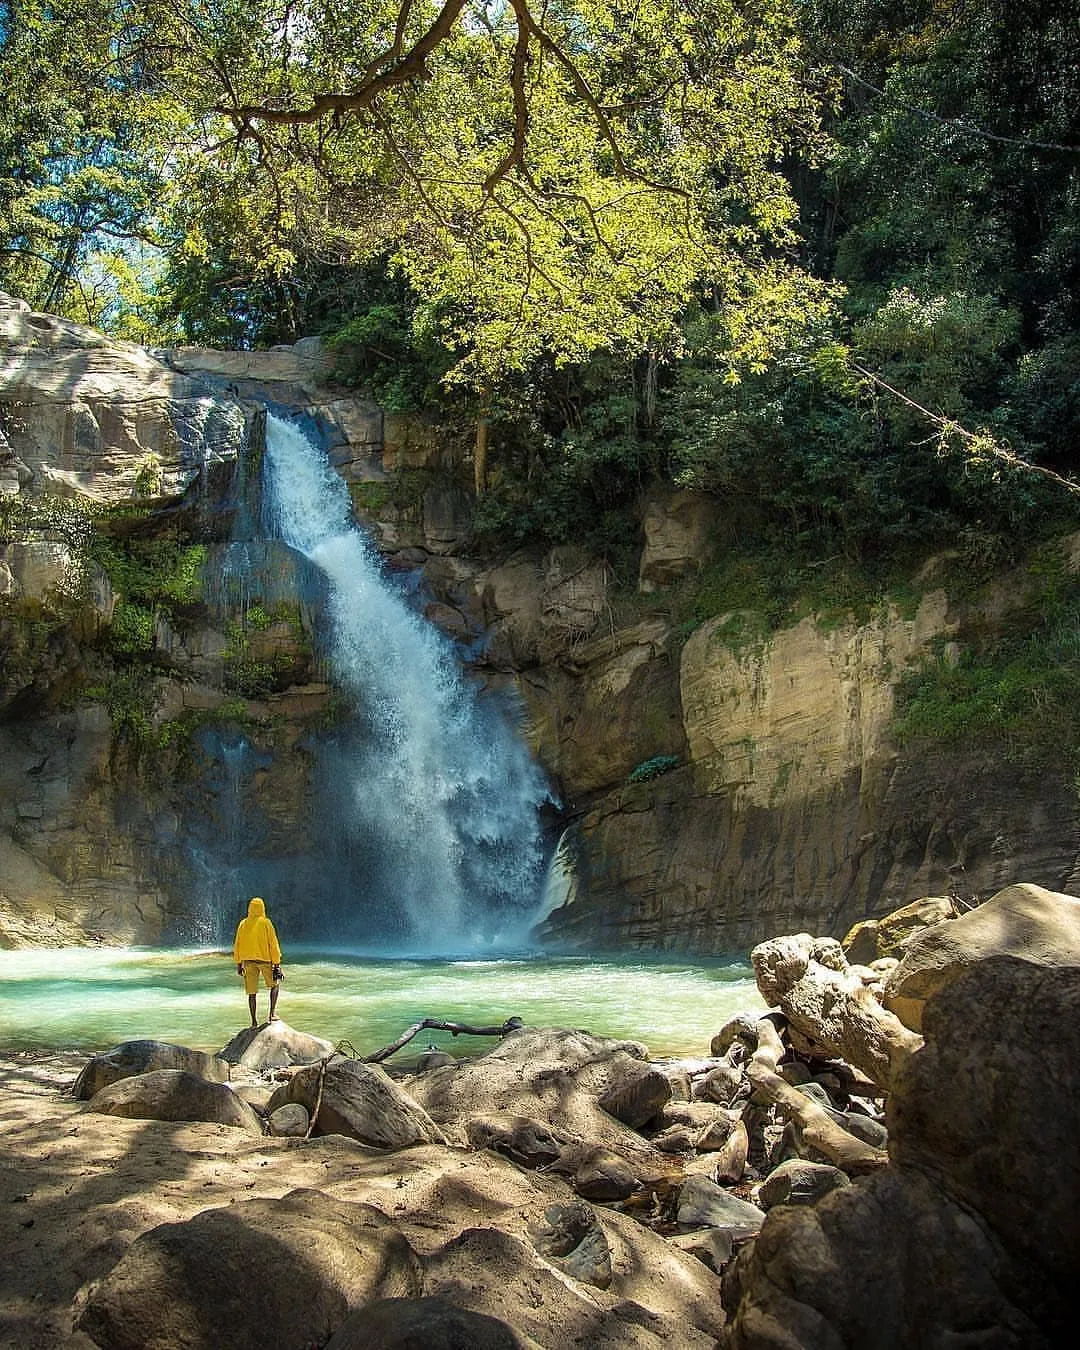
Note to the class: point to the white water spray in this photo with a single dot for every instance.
(441, 799)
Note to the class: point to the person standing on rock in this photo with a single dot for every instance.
(257, 954)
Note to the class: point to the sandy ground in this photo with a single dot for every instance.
(76, 1188)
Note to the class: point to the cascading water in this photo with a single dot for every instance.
(434, 800)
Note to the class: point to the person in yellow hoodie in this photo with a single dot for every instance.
(257, 953)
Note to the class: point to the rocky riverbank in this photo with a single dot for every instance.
(866, 1165)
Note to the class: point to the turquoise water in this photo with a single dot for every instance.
(93, 998)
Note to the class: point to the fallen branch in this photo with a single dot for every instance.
(437, 1024)
(830, 1007)
(819, 1131)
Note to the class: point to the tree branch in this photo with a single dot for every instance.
(404, 69)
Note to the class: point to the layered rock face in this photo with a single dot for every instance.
(789, 801)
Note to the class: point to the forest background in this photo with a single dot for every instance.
(820, 260)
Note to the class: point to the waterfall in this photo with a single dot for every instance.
(431, 798)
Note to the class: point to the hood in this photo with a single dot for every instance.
(256, 908)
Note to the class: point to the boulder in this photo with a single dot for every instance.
(637, 1099)
(284, 1273)
(1024, 921)
(174, 1094)
(289, 1121)
(829, 1010)
(603, 1175)
(550, 1075)
(136, 1057)
(274, 1045)
(527, 1142)
(991, 1108)
(703, 1204)
(678, 527)
(721, 1085)
(885, 1263)
(422, 1324)
(434, 1059)
(491, 1272)
(712, 1246)
(799, 1182)
(889, 936)
(728, 1163)
(361, 1101)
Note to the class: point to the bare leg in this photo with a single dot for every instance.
(251, 1005)
(273, 1002)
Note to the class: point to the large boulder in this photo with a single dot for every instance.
(871, 939)
(361, 1101)
(174, 1094)
(991, 1108)
(886, 1263)
(678, 528)
(550, 1075)
(971, 1235)
(1024, 921)
(274, 1045)
(283, 1273)
(137, 1057)
(491, 1272)
(107, 420)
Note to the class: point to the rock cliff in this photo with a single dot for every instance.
(714, 789)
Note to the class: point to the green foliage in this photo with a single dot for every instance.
(131, 631)
(558, 181)
(652, 768)
(388, 348)
(1021, 691)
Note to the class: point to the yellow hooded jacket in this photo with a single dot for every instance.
(255, 936)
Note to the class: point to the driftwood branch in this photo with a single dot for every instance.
(819, 1131)
(808, 980)
(437, 1024)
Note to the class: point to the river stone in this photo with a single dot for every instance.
(549, 1074)
(712, 1246)
(422, 1324)
(434, 1059)
(721, 1085)
(257, 1274)
(603, 1175)
(717, 1132)
(679, 1078)
(274, 1045)
(289, 1121)
(361, 1101)
(135, 1057)
(1024, 921)
(174, 1094)
(741, 1027)
(675, 1139)
(637, 1100)
(799, 1182)
(729, 1162)
(704, 1204)
(530, 1143)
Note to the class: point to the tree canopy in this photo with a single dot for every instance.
(556, 177)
